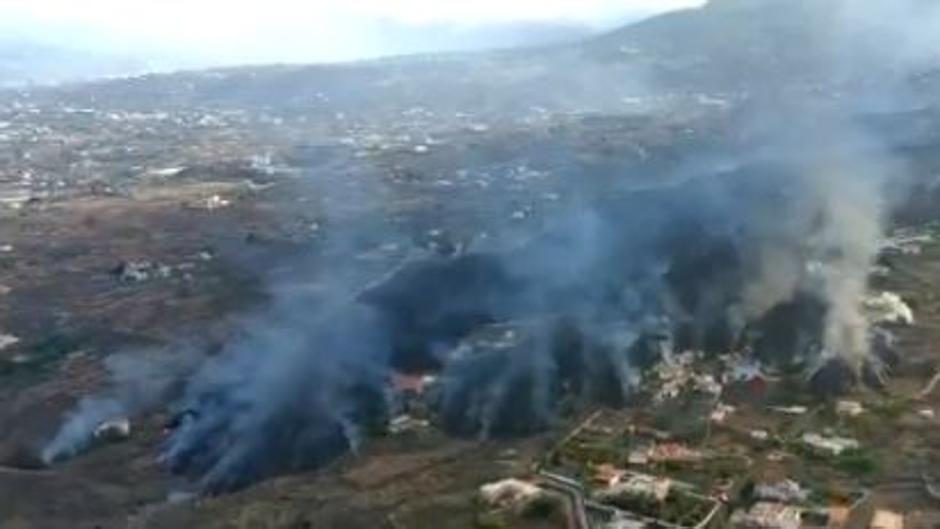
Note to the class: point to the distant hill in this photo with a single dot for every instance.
(30, 63)
(28, 58)
(735, 46)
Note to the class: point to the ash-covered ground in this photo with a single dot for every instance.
(347, 296)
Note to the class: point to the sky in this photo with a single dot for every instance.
(299, 30)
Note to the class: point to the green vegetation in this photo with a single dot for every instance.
(678, 508)
(39, 357)
(686, 417)
(544, 506)
(857, 462)
(53, 348)
(890, 407)
(492, 520)
(727, 467)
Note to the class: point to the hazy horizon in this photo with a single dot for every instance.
(217, 33)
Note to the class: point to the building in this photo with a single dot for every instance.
(114, 430)
(838, 516)
(640, 486)
(833, 517)
(674, 452)
(784, 491)
(653, 487)
(406, 423)
(639, 456)
(745, 370)
(608, 475)
(790, 410)
(832, 446)
(413, 384)
(721, 412)
(510, 493)
(887, 520)
(849, 408)
(768, 515)
(625, 523)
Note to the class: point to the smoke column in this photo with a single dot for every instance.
(140, 380)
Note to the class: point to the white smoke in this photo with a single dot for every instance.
(139, 381)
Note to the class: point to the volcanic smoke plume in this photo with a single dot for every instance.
(297, 390)
(612, 284)
(140, 380)
(767, 252)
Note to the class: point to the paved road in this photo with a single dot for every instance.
(575, 494)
